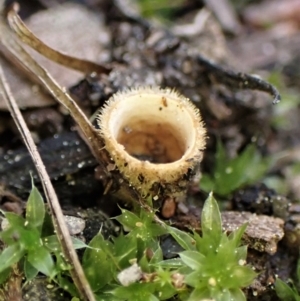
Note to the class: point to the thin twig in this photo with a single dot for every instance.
(64, 237)
(34, 42)
(238, 80)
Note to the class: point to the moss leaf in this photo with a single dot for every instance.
(10, 255)
(41, 259)
(35, 210)
(211, 223)
(98, 263)
(193, 259)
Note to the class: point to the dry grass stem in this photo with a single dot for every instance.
(35, 43)
(64, 237)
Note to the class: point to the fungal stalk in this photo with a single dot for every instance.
(155, 138)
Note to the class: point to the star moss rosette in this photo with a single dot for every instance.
(155, 138)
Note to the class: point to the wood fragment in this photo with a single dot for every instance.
(262, 233)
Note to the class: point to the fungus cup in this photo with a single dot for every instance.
(155, 138)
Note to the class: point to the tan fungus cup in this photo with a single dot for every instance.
(155, 137)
